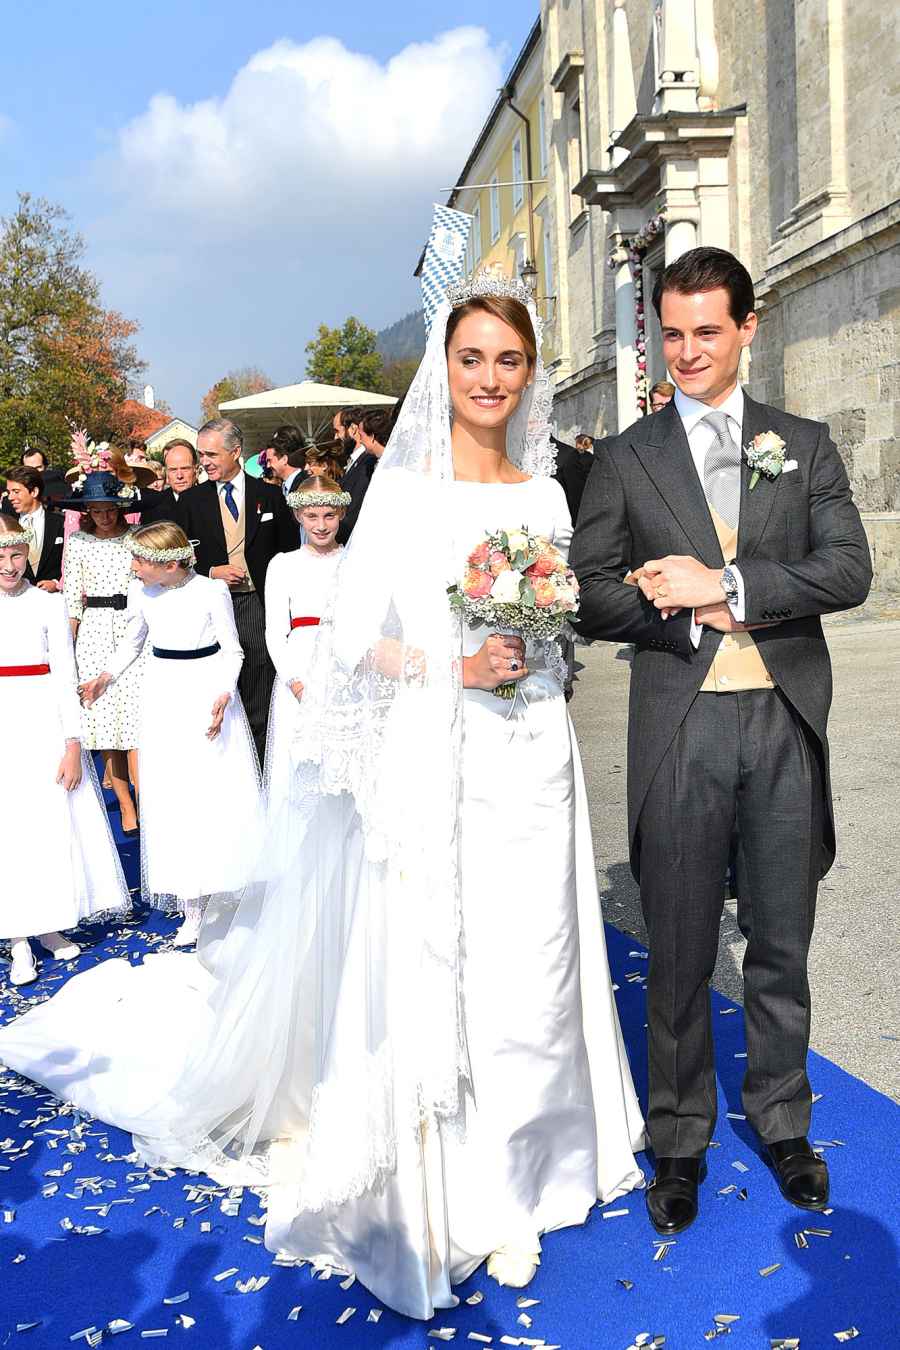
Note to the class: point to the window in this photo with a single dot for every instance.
(495, 209)
(475, 234)
(548, 263)
(542, 136)
(518, 192)
(575, 163)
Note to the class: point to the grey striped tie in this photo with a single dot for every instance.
(722, 470)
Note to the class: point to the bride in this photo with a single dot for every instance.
(405, 1031)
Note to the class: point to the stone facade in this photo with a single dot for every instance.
(770, 127)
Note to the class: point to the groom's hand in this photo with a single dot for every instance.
(678, 582)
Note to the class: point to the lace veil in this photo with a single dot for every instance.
(335, 993)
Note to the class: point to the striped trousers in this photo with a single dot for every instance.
(257, 673)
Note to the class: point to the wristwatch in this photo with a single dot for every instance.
(729, 585)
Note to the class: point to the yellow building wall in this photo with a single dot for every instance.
(514, 220)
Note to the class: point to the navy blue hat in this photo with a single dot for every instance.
(101, 488)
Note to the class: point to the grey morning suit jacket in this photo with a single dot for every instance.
(802, 552)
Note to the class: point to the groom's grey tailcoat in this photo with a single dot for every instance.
(801, 552)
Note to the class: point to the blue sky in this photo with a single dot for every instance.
(242, 172)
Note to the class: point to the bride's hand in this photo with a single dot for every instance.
(499, 660)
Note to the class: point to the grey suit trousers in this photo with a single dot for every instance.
(257, 673)
(743, 760)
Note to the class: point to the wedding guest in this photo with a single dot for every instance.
(327, 460)
(298, 585)
(55, 484)
(286, 456)
(191, 717)
(345, 425)
(25, 495)
(97, 571)
(60, 865)
(180, 461)
(239, 523)
(572, 469)
(661, 393)
(361, 464)
(374, 430)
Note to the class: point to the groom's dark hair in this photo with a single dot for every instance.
(708, 269)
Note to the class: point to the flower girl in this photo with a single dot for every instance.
(59, 863)
(200, 794)
(298, 585)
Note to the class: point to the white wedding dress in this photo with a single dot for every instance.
(549, 1120)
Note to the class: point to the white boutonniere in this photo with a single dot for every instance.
(765, 455)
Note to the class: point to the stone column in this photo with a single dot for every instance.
(680, 236)
(823, 204)
(626, 338)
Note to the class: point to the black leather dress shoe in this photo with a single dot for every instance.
(672, 1194)
(801, 1174)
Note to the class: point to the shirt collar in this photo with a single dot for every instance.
(691, 410)
(236, 482)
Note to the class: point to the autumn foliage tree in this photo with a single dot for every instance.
(236, 384)
(346, 356)
(63, 357)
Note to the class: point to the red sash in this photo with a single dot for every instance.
(304, 623)
(26, 670)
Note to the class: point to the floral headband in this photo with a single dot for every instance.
(162, 555)
(298, 501)
(23, 538)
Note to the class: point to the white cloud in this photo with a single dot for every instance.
(300, 195)
(303, 119)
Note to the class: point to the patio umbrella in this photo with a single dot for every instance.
(309, 406)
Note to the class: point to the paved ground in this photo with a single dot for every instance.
(853, 966)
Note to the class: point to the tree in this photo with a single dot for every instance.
(346, 356)
(63, 357)
(236, 384)
(397, 376)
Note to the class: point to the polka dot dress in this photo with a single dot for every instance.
(93, 566)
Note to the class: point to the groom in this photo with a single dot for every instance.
(730, 692)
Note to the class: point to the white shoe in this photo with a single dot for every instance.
(189, 931)
(513, 1266)
(58, 946)
(23, 969)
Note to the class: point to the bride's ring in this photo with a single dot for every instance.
(514, 665)
(661, 594)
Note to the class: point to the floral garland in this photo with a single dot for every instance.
(632, 251)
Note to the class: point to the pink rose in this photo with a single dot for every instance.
(476, 585)
(480, 554)
(544, 593)
(499, 563)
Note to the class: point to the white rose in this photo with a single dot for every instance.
(518, 541)
(505, 589)
(769, 443)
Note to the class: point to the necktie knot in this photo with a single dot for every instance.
(722, 469)
(228, 493)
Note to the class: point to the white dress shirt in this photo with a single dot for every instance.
(237, 482)
(700, 436)
(357, 453)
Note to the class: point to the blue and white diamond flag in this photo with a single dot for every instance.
(445, 257)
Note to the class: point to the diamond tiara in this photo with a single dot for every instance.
(488, 282)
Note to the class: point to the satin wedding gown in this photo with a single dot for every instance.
(549, 1121)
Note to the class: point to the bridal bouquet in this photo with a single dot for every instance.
(519, 582)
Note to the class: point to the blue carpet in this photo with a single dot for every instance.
(88, 1236)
